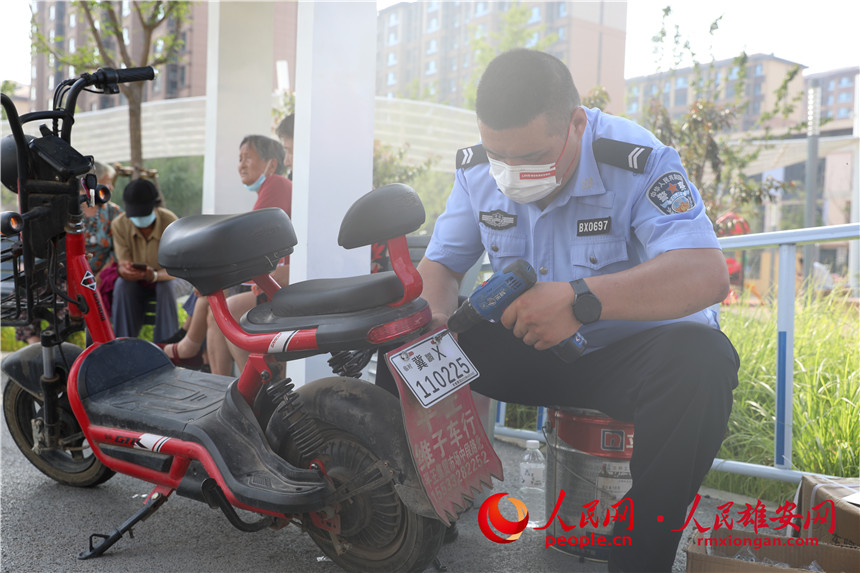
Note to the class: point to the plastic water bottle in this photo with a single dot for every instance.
(533, 483)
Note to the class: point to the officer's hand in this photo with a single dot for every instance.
(543, 315)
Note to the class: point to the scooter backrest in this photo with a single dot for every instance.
(215, 252)
(385, 213)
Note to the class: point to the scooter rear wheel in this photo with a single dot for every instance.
(378, 531)
(76, 465)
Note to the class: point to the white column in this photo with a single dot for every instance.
(333, 153)
(239, 80)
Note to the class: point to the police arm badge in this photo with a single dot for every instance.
(671, 193)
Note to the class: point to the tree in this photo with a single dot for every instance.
(713, 149)
(514, 33)
(108, 46)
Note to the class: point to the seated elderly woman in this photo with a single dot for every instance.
(261, 168)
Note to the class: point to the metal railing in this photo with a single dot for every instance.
(786, 242)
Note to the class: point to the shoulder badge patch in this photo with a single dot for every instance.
(671, 193)
(621, 154)
(469, 156)
(498, 220)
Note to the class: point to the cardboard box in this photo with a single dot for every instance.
(845, 495)
(713, 556)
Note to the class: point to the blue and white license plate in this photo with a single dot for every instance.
(434, 367)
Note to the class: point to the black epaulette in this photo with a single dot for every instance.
(469, 156)
(621, 154)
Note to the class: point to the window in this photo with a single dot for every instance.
(633, 107)
(831, 85)
(453, 84)
(533, 40)
(756, 107)
(125, 36)
(433, 25)
(465, 60)
(52, 12)
(844, 97)
(757, 88)
(392, 59)
(733, 73)
(562, 9)
(666, 87)
(681, 97)
(846, 81)
(51, 36)
(71, 72)
(72, 45)
(431, 68)
(634, 91)
(561, 32)
(73, 20)
(51, 82)
(33, 93)
(33, 72)
(453, 64)
(681, 82)
(126, 8)
(481, 31)
(432, 47)
(392, 19)
(392, 38)
(432, 6)
(535, 15)
(481, 8)
(392, 79)
(829, 100)
(843, 112)
(759, 70)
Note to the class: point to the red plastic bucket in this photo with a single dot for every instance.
(588, 456)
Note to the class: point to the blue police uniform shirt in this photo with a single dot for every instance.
(629, 201)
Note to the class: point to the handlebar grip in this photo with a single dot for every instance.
(108, 76)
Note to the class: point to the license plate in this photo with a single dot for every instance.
(433, 367)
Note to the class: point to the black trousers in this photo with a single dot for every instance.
(673, 382)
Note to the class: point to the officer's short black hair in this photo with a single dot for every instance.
(521, 84)
(267, 148)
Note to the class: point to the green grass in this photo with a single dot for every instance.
(826, 393)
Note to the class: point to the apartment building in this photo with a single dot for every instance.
(67, 29)
(676, 89)
(837, 98)
(427, 48)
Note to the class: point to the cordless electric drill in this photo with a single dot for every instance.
(490, 300)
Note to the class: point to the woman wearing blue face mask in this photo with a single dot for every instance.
(261, 168)
(136, 236)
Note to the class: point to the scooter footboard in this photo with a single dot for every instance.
(371, 413)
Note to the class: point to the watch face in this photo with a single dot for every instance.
(587, 308)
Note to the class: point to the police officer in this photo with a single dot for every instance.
(624, 254)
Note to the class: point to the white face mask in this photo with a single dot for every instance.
(527, 183)
(524, 183)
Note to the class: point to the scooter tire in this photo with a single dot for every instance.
(381, 534)
(77, 467)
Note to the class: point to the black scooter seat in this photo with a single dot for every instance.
(130, 384)
(332, 296)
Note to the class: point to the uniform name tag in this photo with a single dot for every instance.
(588, 227)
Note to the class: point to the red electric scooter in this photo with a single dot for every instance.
(332, 456)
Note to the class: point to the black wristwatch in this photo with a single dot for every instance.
(586, 306)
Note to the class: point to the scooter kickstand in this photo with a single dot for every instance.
(155, 500)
